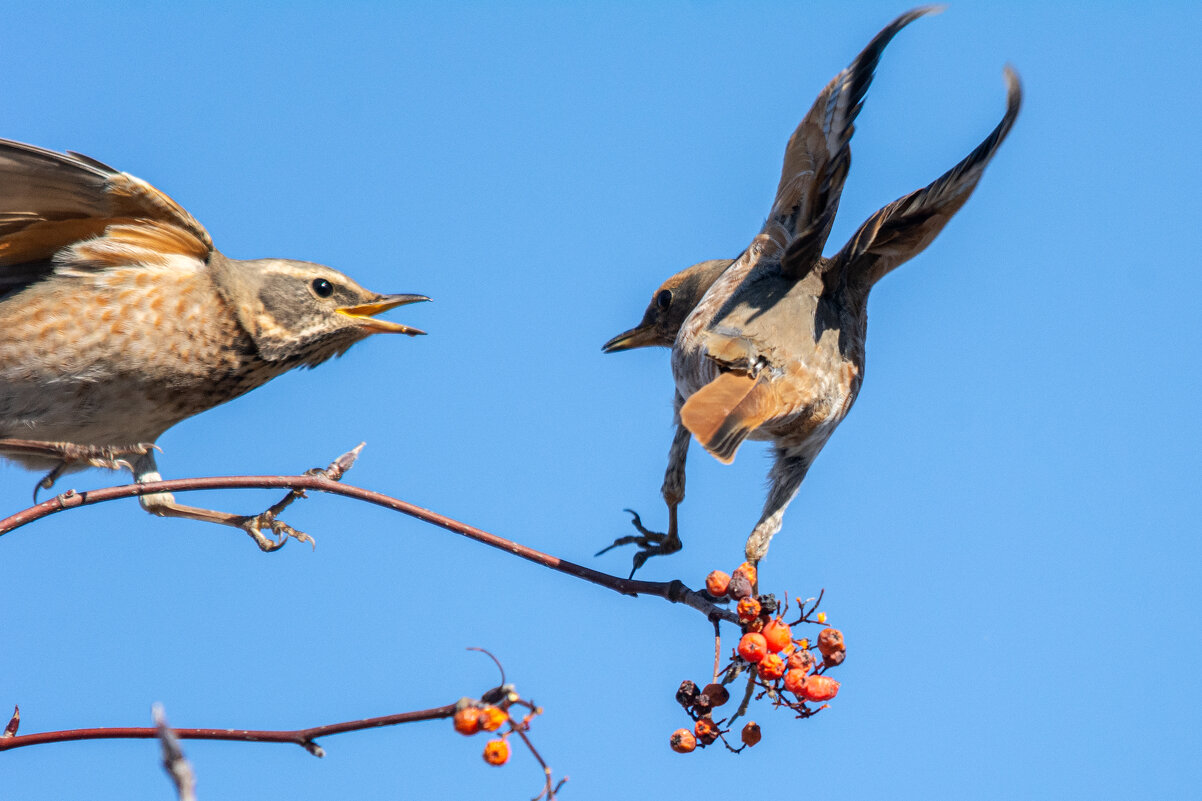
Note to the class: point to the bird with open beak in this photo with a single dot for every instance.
(119, 319)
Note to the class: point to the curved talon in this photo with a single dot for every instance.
(281, 537)
(293, 533)
(48, 480)
(650, 543)
(108, 457)
(254, 527)
(637, 522)
(612, 545)
(283, 532)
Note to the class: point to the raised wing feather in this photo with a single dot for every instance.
(901, 230)
(818, 156)
(63, 209)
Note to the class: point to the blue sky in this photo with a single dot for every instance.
(1006, 525)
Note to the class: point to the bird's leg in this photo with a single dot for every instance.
(653, 543)
(68, 454)
(788, 471)
(163, 504)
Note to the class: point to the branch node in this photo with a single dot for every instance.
(346, 461)
(677, 591)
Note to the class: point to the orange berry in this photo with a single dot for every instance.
(706, 730)
(748, 570)
(748, 610)
(778, 634)
(771, 667)
(795, 679)
(467, 720)
(682, 741)
(819, 688)
(830, 640)
(830, 643)
(751, 733)
(753, 647)
(821, 617)
(492, 717)
(714, 695)
(496, 752)
(803, 643)
(716, 583)
(801, 660)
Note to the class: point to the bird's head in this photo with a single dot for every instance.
(669, 306)
(296, 310)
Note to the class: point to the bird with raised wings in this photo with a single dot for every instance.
(770, 345)
(119, 319)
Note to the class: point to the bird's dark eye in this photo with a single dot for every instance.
(322, 287)
(664, 298)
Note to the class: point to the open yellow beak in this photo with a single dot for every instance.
(365, 313)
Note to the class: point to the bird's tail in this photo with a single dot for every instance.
(726, 411)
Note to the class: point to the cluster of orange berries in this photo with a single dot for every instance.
(471, 718)
(781, 663)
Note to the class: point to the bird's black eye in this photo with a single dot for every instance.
(322, 287)
(664, 298)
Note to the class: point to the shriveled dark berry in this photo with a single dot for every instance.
(688, 694)
(715, 695)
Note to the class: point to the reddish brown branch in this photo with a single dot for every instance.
(503, 697)
(673, 591)
(302, 737)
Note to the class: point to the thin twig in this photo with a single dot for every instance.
(305, 738)
(549, 790)
(717, 650)
(742, 710)
(174, 762)
(674, 591)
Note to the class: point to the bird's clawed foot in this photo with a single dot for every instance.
(650, 543)
(66, 455)
(266, 529)
(267, 521)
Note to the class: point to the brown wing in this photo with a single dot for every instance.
(819, 154)
(901, 230)
(60, 210)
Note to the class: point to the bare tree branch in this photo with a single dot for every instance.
(674, 591)
(503, 697)
(305, 738)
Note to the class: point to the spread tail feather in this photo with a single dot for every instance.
(726, 411)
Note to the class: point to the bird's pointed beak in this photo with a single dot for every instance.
(642, 336)
(365, 313)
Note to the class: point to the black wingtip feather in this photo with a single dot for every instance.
(860, 72)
